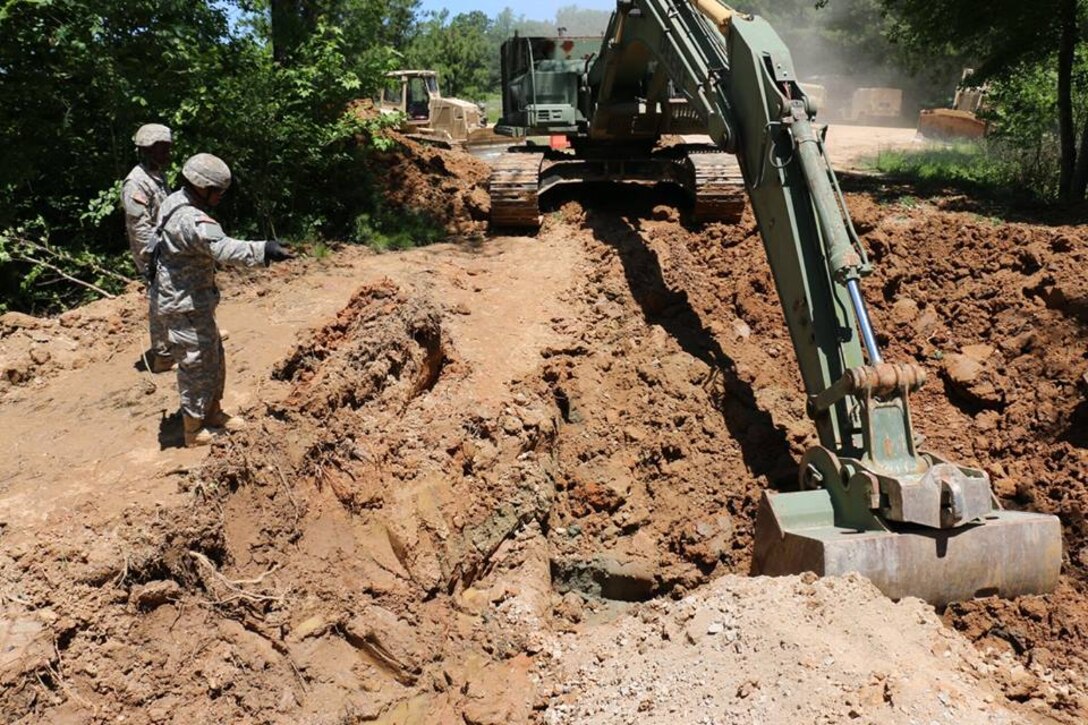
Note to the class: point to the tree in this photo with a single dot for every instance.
(581, 21)
(77, 77)
(1008, 37)
(460, 49)
(365, 24)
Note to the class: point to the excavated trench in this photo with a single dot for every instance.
(388, 544)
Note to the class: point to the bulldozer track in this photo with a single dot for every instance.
(515, 179)
(718, 184)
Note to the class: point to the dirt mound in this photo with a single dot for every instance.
(656, 424)
(34, 348)
(996, 310)
(321, 563)
(474, 462)
(447, 186)
(716, 657)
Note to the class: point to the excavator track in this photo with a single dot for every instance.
(515, 180)
(718, 185)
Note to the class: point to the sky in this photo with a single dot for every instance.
(536, 10)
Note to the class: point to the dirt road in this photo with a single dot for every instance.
(513, 479)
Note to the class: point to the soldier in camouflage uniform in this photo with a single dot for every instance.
(188, 244)
(142, 193)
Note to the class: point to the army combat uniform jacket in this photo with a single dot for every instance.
(191, 243)
(142, 193)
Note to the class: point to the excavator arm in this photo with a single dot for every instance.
(915, 524)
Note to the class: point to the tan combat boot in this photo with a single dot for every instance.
(219, 418)
(161, 363)
(197, 433)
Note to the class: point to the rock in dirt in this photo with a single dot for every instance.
(10, 321)
(155, 594)
(971, 374)
(391, 642)
(611, 577)
(26, 645)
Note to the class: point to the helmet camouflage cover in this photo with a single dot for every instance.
(205, 171)
(152, 133)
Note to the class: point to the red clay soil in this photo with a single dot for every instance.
(486, 448)
(448, 186)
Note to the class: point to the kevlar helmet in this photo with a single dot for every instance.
(150, 134)
(205, 171)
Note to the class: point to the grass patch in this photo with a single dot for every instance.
(993, 168)
(386, 231)
(493, 107)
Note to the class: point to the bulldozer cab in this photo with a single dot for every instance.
(411, 93)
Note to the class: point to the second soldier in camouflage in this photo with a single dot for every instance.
(142, 193)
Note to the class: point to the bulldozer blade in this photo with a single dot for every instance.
(1007, 553)
(946, 123)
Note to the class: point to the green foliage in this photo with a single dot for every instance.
(993, 167)
(56, 276)
(1033, 57)
(369, 27)
(459, 49)
(385, 230)
(297, 175)
(79, 76)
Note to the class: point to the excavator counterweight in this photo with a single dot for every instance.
(871, 501)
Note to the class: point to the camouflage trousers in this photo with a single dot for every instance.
(202, 371)
(160, 343)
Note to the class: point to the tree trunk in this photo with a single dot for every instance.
(282, 29)
(1066, 128)
(292, 23)
(1080, 177)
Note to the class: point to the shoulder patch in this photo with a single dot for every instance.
(139, 197)
(204, 219)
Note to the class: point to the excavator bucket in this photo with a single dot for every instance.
(1006, 553)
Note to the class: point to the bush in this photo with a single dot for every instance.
(996, 167)
(78, 77)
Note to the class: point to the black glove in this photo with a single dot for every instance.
(275, 252)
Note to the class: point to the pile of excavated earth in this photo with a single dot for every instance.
(512, 479)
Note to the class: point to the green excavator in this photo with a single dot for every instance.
(869, 501)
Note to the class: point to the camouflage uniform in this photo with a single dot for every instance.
(142, 193)
(184, 295)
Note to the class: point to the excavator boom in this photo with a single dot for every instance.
(914, 523)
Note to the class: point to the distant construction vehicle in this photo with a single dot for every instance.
(872, 501)
(962, 120)
(429, 117)
(875, 106)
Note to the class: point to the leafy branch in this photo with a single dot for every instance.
(15, 247)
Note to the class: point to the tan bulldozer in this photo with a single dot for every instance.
(429, 117)
(959, 122)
